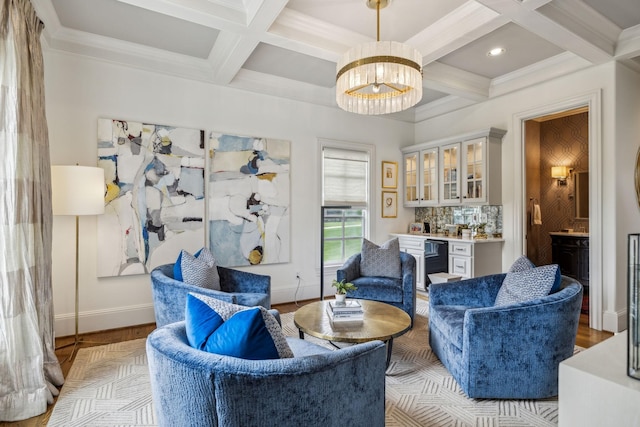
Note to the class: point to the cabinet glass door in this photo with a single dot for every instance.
(474, 170)
(450, 179)
(429, 176)
(411, 179)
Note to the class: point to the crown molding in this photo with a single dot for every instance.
(556, 66)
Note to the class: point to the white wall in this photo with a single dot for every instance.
(620, 137)
(80, 90)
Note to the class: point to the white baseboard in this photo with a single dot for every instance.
(99, 320)
(614, 321)
(304, 292)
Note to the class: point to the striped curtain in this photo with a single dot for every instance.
(29, 369)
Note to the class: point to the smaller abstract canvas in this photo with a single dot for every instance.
(249, 200)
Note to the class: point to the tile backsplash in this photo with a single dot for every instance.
(438, 216)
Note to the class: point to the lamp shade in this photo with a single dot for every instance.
(559, 172)
(77, 190)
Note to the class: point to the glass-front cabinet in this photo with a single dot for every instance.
(465, 169)
(411, 179)
(474, 168)
(421, 177)
(450, 179)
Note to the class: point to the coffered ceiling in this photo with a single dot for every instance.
(289, 48)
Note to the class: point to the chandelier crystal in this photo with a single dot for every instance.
(379, 77)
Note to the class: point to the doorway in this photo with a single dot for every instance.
(556, 162)
(592, 100)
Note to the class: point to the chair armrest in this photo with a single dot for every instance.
(239, 281)
(170, 295)
(350, 270)
(476, 292)
(543, 328)
(408, 268)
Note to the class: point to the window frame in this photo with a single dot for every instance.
(369, 208)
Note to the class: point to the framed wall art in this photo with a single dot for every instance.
(389, 204)
(154, 195)
(249, 200)
(389, 174)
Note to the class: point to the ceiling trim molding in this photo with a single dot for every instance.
(454, 81)
(550, 68)
(268, 84)
(130, 54)
(629, 43)
(441, 106)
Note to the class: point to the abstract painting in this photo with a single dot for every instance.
(249, 200)
(154, 197)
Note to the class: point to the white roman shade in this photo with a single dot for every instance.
(345, 177)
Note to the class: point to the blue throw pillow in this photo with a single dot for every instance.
(199, 269)
(521, 264)
(526, 285)
(228, 329)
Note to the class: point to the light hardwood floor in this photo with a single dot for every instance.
(586, 337)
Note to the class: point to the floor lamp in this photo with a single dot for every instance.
(77, 190)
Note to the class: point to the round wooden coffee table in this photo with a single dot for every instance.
(381, 321)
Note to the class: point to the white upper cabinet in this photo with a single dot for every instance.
(421, 177)
(450, 174)
(465, 169)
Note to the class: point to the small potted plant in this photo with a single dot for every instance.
(341, 289)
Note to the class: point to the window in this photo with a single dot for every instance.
(345, 201)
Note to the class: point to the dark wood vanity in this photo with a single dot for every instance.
(571, 252)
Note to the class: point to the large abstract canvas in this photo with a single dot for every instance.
(154, 199)
(249, 186)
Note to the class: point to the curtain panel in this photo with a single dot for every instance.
(29, 369)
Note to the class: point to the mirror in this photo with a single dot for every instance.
(581, 180)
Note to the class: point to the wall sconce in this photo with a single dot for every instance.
(560, 173)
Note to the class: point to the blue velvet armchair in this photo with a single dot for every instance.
(236, 286)
(400, 293)
(503, 352)
(318, 387)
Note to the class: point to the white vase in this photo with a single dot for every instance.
(341, 298)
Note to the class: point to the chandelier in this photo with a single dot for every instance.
(379, 77)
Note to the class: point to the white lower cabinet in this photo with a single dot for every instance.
(475, 259)
(414, 245)
(467, 258)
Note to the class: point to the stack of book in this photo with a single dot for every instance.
(349, 311)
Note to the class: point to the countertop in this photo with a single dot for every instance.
(569, 233)
(440, 236)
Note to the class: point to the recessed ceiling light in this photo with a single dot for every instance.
(497, 51)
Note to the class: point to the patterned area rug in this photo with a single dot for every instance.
(109, 386)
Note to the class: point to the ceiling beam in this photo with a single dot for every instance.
(458, 28)
(577, 36)
(231, 50)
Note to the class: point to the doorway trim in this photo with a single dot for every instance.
(593, 101)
